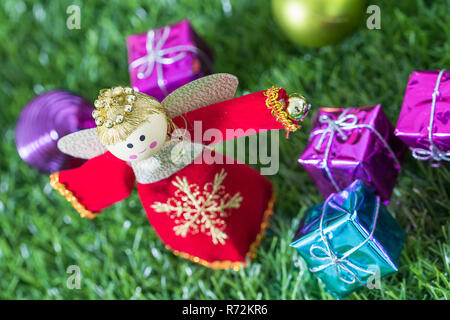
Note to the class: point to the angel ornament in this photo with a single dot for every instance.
(212, 213)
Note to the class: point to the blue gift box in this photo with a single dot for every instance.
(350, 240)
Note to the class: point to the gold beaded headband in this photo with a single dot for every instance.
(107, 106)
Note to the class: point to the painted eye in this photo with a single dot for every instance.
(130, 145)
(142, 138)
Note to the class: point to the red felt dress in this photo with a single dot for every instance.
(213, 214)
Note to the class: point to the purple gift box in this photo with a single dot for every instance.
(162, 60)
(350, 144)
(426, 104)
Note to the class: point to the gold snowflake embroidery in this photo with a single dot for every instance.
(195, 210)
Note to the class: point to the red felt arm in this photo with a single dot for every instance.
(231, 118)
(97, 184)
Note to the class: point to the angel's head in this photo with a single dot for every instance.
(131, 125)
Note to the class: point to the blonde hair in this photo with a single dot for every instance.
(117, 116)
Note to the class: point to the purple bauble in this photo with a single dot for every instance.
(43, 121)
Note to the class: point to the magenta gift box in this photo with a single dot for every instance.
(162, 60)
(355, 151)
(413, 122)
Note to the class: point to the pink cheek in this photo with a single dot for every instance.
(133, 157)
(153, 144)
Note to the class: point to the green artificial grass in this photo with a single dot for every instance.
(119, 253)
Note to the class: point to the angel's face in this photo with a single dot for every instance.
(144, 142)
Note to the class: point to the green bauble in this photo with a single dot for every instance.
(316, 23)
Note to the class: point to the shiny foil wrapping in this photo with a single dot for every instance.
(361, 156)
(192, 66)
(348, 220)
(413, 122)
(43, 121)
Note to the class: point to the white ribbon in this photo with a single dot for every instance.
(156, 57)
(343, 122)
(341, 264)
(433, 152)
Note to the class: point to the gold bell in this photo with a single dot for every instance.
(298, 108)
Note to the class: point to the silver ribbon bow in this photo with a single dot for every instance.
(344, 122)
(156, 57)
(433, 152)
(340, 125)
(341, 264)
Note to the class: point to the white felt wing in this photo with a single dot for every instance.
(200, 93)
(84, 144)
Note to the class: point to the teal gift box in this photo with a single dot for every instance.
(350, 240)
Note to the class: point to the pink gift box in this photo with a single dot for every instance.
(355, 152)
(414, 120)
(162, 60)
